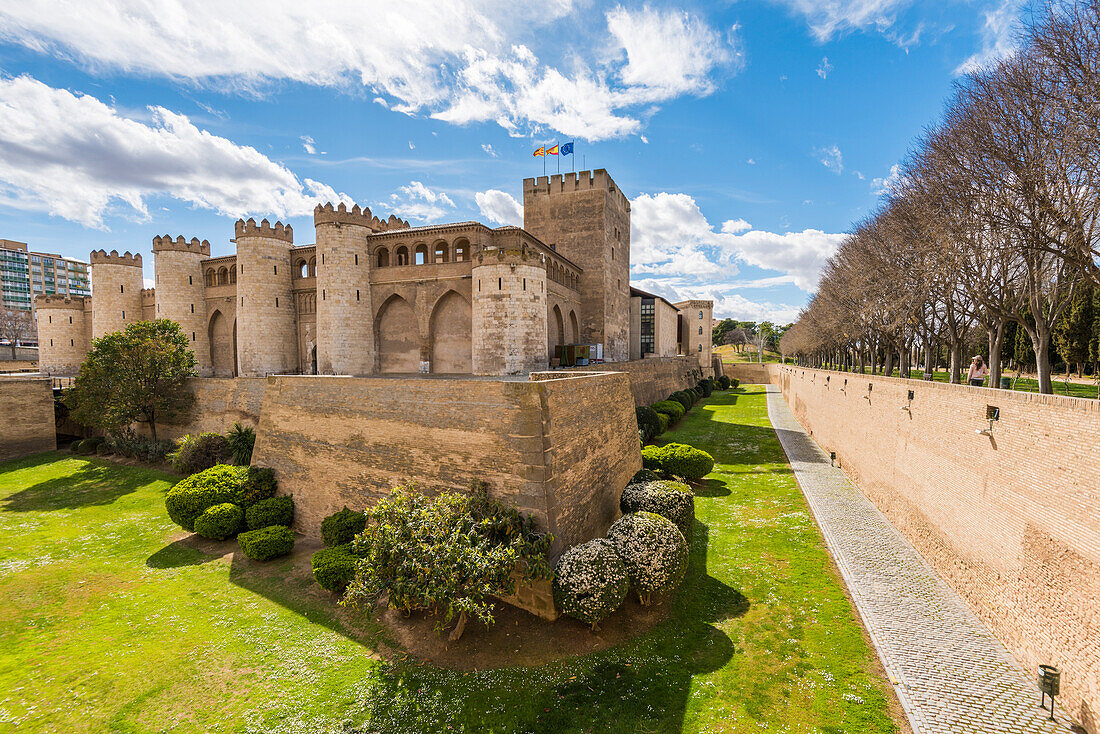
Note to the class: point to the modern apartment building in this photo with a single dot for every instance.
(25, 274)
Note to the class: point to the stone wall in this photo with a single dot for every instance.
(219, 403)
(1010, 519)
(561, 450)
(651, 379)
(28, 425)
(751, 373)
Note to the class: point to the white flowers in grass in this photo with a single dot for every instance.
(590, 581)
(653, 550)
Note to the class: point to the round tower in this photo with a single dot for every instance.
(345, 320)
(509, 310)
(180, 293)
(62, 338)
(267, 338)
(116, 287)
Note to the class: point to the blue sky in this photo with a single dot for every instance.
(749, 135)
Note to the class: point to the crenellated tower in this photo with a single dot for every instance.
(180, 292)
(586, 218)
(345, 318)
(62, 337)
(116, 286)
(267, 336)
(509, 309)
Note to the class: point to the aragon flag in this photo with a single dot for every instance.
(552, 151)
(540, 151)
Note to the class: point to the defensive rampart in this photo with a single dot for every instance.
(28, 424)
(654, 378)
(219, 403)
(1010, 517)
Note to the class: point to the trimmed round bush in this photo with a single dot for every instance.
(684, 398)
(272, 511)
(670, 499)
(259, 484)
(590, 581)
(672, 408)
(192, 496)
(334, 568)
(196, 453)
(267, 543)
(706, 387)
(220, 521)
(653, 550)
(679, 460)
(651, 458)
(663, 418)
(643, 476)
(735, 384)
(724, 382)
(342, 527)
(648, 422)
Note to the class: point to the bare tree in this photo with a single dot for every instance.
(15, 326)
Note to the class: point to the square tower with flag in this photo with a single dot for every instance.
(586, 218)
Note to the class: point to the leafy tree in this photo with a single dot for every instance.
(722, 328)
(136, 375)
(1074, 330)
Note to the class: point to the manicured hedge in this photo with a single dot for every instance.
(267, 543)
(706, 387)
(259, 484)
(272, 511)
(196, 453)
(678, 460)
(590, 581)
(342, 527)
(648, 422)
(668, 498)
(653, 551)
(220, 521)
(672, 408)
(334, 568)
(191, 497)
(684, 398)
(663, 418)
(724, 382)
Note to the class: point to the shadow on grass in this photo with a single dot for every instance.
(90, 485)
(712, 487)
(178, 554)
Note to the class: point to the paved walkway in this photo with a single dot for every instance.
(950, 672)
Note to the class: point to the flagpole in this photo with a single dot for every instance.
(559, 158)
(573, 152)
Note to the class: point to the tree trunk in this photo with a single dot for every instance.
(459, 628)
(1040, 341)
(996, 336)
(956, 362)
(888, 368)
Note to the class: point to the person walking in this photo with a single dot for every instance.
(976, 376)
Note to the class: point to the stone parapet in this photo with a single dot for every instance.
(43, 301)
(249, 228)
(179, 244)
(340, 214)
(102, 257)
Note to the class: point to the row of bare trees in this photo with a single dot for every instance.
(993, 218)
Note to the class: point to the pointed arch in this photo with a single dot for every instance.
(219, 331)
(450, 330)
(574, 334)
(383, 257)
(397, 335)
(555, 331)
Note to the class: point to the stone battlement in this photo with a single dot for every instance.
(264, 229)
(148, 295)
(340, 214)
(580, 181)
(179, 244)
(75, 303)
(101, 257)
(511, 253)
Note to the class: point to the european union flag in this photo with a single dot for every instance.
(567, 149)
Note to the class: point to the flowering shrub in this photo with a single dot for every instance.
(653, 551)
(648, 422)
(220, 521)
(341, 527)
(267, 543)
(196, 453)
(449, 554)
(272, 511)
(590, 581)
(672, 408)
(670, 499)
(191, 497)
(334, 568)
(678, 460)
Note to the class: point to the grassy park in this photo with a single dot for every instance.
(116, 621)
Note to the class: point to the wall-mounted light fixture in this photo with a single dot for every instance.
(832, 458)
(992, 413)
(909, 406)
(870, 386)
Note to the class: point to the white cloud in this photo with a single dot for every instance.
(880, 186)
(824, 67)
(411, 146)
(999, 36)
(670, 236)
(309, 144)
(830, 18)
(726, 305)
(831, 158)
(751, 161)
(499, 207)
(670, 52)
(459, 61)
(75, 157)
(418, 202)
(489, 149)
(859, 175)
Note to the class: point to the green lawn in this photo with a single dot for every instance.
(112, 624)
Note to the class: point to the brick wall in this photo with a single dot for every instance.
(1011, 520)
(28, 426)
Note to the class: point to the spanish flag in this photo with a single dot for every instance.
(552, 151)
(541, 151)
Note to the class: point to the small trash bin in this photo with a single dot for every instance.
(1006, 383)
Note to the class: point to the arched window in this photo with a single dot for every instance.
(313, 267)
(462, 251)
(401, 256)
(700, 314)
(223, 276)
(440, 252)
(383, 257)
(210, 277)
(233, 275)
(421, 255)
(303, 269)
(700, 348)
(700, 331)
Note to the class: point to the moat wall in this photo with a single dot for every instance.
(28, 424)
(219, 403)
(1010, 520)
(654, 378)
